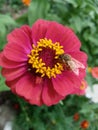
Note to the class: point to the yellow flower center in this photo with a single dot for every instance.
(38, 63)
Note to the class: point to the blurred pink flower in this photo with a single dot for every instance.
(94, 72)
(31, 65)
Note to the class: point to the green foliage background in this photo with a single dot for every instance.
(82, 17)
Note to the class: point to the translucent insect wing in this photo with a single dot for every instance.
(78, 64)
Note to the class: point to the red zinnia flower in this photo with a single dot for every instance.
(84, 124)
(94, 72)
(32, 62)
(76, 116)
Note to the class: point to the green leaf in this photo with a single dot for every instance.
(94, 40)
(6, 25)
(53, 17)
(89, 79)
(22, 19)
(73, 2)
(76, 23)
(6, 20)
(38, 9)
(3, 86)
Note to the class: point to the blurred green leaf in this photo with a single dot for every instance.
(6, 20)
(93, 39)
(6, 25)
(22, 19)
(53, 17)
(89, 79)
(3, 86)
(38, 9)
(73, 2)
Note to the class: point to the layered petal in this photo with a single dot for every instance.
(9, 64)
(49, 95)
(65, 83)
(15, 52)
(64, 35)
(28, 32)
(11, 84)
(11, 74)
(39, 30)
(82, 89)
(22, 37)
(26, 88)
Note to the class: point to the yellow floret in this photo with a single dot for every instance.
(38, 63)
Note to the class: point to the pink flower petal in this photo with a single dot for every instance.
(15, 52)
(11, 84)
(27, 89)
(64, 35)
(49, 95)
(82, 73)
(22, 37)
(10, 64)
(36, 97)
(66, 83)
(39, 30)
(94, 72)
(82, 89)
(27, 30)
(14, 73)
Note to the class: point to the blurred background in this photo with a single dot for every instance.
(75, 112)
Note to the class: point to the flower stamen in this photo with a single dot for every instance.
(37, 62)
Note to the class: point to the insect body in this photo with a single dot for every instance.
(70, 63)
